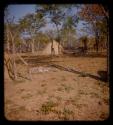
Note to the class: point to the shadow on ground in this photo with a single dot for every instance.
(103, 75)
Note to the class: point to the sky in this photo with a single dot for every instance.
(18, 11)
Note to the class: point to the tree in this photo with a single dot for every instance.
(12, 36)
(92, 14)
(51, 35)
(103, 33)
(55, 13)
(41, 39)
(12, 33)
(31, 24)
(68, 30)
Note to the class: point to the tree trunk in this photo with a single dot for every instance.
(69, 41)
(85, 45)
(13, 57)
(97, 41)
(38, 45)
(7, 62)
(52, 49)
(33, 46)
(59, 49)
(107, 44)
(8, 45)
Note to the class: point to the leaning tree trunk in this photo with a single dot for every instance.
(13, 57)
(13, 60)
(8, 64)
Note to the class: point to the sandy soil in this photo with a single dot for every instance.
(58, 94)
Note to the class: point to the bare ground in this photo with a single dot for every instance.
(58, 94)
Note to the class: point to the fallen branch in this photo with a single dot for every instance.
(6, 61)
(22, 60)
(20, 75)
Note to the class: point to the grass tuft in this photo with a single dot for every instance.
(47, 107)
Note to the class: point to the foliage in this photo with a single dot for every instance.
(68, 31)
(97, 16)
(31, 23)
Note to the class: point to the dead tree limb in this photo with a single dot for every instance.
(8, 66)
(22, 60)
(20, 75)
(28, 70)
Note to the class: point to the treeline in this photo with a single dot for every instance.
(65, 21)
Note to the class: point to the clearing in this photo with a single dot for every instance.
(56, 94)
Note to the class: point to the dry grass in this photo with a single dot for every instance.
(58, 94)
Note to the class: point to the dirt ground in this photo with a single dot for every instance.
(58, 94)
